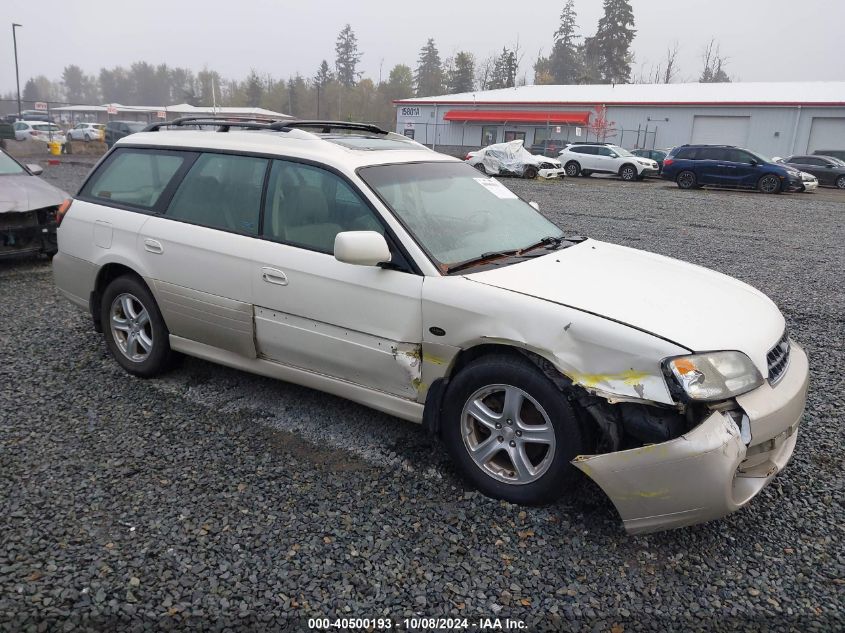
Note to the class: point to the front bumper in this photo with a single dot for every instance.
(708, 472)
(27, 232)
(648, 171)
(552, 173)
(810, 185)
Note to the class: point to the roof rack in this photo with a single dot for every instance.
(588, 143)
(224, 123)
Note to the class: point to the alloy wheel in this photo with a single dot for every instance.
(840, 182)
(508, 434)
(686, 180)
(628, 173)
(131, 327)
(769, 184)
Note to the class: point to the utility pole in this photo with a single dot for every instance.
(17, 74)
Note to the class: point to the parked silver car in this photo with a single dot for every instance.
(360, 263)
(28, 207)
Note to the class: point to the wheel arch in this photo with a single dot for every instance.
(108, 273)
(437, 391)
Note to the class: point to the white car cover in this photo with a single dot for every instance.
(509, 157)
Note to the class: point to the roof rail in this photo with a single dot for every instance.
(223, 123)
(326, 127)
(588, 143)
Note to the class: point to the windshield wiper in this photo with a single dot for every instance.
(546, 241)
(481, 259)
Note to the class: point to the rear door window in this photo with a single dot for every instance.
(221, 191)
(712, 153)
(687, 153)
(135, 178)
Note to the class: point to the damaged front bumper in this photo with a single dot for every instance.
(28, 232)
(552, 173)
(710, 471)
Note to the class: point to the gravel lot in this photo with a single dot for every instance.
(210, 498)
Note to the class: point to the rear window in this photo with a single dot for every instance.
(134, 177)
(686, 153)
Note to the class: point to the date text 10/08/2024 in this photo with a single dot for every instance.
(416, 624)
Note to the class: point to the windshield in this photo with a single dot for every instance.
(9, 166)
(760, 157)
(454, 213)
(621, 151)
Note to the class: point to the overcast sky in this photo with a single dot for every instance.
(771, 40)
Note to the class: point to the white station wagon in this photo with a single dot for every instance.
(360, 263)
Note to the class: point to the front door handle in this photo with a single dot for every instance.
(153, 246)
(274, 276)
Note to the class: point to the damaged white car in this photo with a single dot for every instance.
(28, 207)
(357, 262)
(512, 159)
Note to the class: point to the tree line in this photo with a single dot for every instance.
(339, 91)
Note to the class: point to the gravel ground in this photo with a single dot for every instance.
(210, 498)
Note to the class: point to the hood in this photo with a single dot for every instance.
(694, 307)
(22, 192)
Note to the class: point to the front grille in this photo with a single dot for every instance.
(778, 359)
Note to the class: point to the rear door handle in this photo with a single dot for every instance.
(153, 246)
(274, 276)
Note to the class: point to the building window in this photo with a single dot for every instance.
(488, 135)
(409, 132)
(512, 135)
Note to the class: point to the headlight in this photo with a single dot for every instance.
(642, 162)
(714, 375)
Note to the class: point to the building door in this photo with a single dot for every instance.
(827, 133)
(720, 130)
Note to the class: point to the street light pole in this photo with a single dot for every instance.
(17, 74)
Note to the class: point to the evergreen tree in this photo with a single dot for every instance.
(613, 41)
(321, 80)
(566, 62)
(400, 84)
(504, 70)
(461, 77)
(253, 89)
(429, 75)
(73, 80)
(115, 85)
(347, 57)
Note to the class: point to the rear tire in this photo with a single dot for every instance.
(572, 169)
(134, 329)
(480, 167)
(769, 184)
(511, 432)
(840, 182)
(687, 180)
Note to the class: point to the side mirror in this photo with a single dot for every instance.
(614, 155)
(534, 205)
(35, 170)
(363, 248)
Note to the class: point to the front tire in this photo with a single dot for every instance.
(769, 184)
(840, 182)
(628, 173)
(511, 432)
(87, 139)
(134, 329)
(529, 173)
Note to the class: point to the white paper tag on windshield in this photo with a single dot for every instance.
(495, 187)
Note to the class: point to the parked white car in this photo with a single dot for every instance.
(604, 158)
(512, 159)
(87, 132)
(38, 130)
(362, 264)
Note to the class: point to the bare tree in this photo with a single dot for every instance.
(671, 69)
(714, 64)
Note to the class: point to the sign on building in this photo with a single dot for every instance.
(40, 105)
(111, 109)
(161, 114)
(410, 111)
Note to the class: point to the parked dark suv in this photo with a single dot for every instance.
(693, 166)
(116, 130)
(828, 169)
